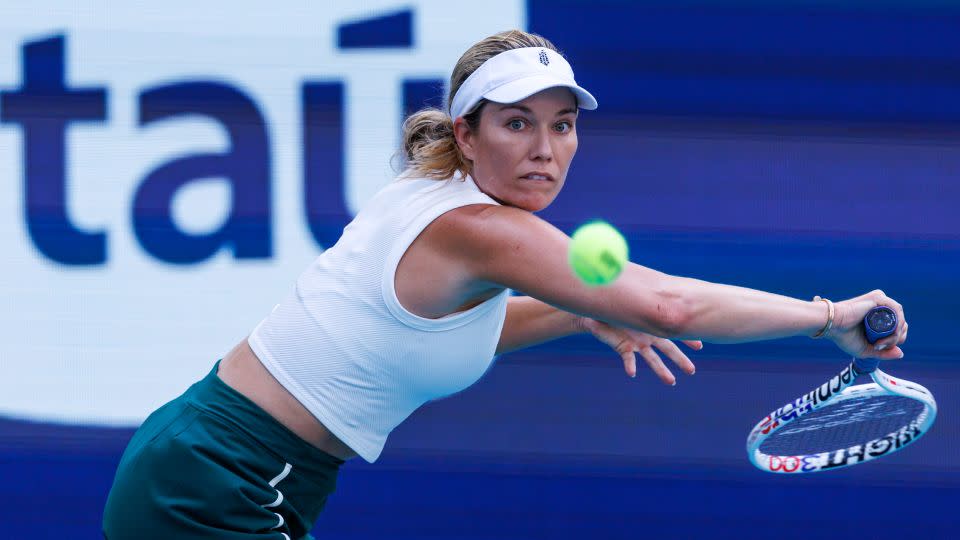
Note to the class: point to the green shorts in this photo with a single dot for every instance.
(212, 464)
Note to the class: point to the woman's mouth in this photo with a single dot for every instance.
(542, 176)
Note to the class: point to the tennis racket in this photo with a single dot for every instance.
(840, 424)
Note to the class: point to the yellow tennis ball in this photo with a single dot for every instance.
(598, 253)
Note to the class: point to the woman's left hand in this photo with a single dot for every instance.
(628, 342)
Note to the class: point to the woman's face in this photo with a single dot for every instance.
(521, 151)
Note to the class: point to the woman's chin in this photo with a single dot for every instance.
(533, 204)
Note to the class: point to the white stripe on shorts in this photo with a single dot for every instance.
(286, 470)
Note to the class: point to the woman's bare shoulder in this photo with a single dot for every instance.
(499, 244)
(516, 249)
(484, 232)
(443, 270)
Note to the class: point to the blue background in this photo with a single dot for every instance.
(803, 148)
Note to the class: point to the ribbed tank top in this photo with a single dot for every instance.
(346, 348)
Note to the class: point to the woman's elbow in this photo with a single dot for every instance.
(671, 316)
(674, 320)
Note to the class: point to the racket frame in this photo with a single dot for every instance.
(837, 390)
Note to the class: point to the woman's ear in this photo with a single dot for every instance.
(465, 137)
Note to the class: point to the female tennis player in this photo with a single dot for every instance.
(413, 303)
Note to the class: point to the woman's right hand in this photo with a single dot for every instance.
(848, 334)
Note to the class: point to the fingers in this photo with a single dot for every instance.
(627, 344)
(660, 370)
(899, 335)
(674, 353)
(629, 363)
(892, 353)
(848, 327)
(656, 364)
(886, 343)
(611, 337)
(617, 341)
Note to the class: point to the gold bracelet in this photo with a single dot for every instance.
(830, 312)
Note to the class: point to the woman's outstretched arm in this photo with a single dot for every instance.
(531, 322)
(514, 248)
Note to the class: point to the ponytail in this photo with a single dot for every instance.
(429, 146)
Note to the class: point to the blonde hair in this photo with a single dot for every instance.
(429, 145)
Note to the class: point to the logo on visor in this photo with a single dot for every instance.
(543, 58)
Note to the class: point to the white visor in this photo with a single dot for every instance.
(517, 74)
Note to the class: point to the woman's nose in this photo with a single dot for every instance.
(540, 148)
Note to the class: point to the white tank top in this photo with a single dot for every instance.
(343, 345)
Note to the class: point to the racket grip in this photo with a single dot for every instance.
(879, 323)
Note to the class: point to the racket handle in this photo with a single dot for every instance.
(879, 323)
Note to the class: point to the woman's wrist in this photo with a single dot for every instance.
(824, 331)
(579, 324)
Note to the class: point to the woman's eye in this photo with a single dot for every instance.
(563, 127)
(516, 124)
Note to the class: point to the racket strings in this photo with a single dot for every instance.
(848, 423)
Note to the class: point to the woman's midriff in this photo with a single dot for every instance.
(243, 371)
